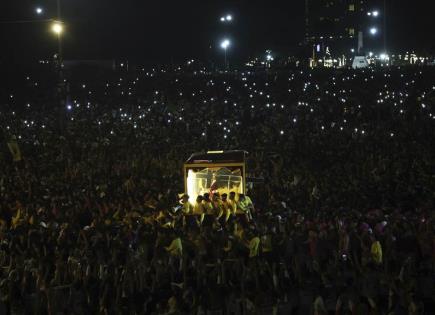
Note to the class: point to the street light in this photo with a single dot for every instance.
(57, 28)
(227, 18)
(373, 31)
(224, 45)
(39, 10)
(375, 13)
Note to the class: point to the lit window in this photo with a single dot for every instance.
(351, 31)
(351, 7)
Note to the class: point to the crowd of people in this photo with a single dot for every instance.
(339, 221)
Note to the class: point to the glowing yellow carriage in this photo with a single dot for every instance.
(215, 171)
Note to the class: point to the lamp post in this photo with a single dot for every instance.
(57, 28)
(60, 30)
(385, 25)
(375, 14)
(224, 45)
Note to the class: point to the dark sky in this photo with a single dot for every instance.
(159, 30)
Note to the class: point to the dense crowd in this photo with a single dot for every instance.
(341, 219)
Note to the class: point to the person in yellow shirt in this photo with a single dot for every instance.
(208, 209)
(227, 207)
(208, 205)
(175, 249)
(16, 219)
(246, 206)
(376, 251)
(187, 206)
(238, 231)
(232, 203)
(198, 209)
(254, 246)
(218, 207)
(187, 210)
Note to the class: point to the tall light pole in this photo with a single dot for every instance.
(224, 45)
(375, 14)
(385, 26)
(59, 37)
(57, 28)
(62, 90)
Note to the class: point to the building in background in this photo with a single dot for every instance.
(337, 30)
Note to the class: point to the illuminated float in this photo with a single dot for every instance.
(215, 171)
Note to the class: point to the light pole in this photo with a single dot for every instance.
(57, 28)
(375, 14)
(385, 25)
(224, 45)
(59, 37)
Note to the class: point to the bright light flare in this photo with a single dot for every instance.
(225, 44)
(57, 28)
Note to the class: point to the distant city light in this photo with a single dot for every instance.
(39, 10)
(371, 54)
(373, 31)
(384, 56)
(352, 50)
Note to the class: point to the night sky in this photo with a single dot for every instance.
(149, 30)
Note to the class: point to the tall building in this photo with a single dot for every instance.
(342, 27)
